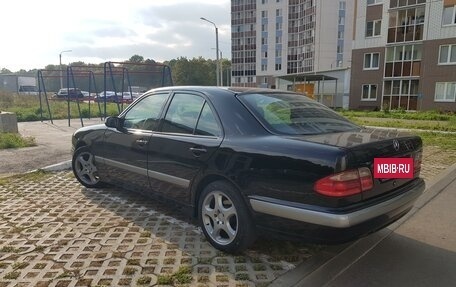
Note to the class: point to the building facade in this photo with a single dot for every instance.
(301, 45)
(404, 55)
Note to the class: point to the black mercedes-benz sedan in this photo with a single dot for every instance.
(249, 161)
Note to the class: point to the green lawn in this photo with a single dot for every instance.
(27, 108)
(435, 128)
(426, 115)
(447, 126)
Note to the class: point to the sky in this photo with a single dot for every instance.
(34, 33)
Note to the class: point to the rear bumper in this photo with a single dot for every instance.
(391, 207)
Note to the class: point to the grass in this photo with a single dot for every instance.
(35, 176)
(20, 265)
(12, 275)
(9, 249)
(27, 108)
(145, 280)
(12, 140)
(448, 126)
(441, 140)
(401, 114)
(428, 125)
(181, 276)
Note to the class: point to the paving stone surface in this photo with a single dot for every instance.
(54, 232)
(435, 161)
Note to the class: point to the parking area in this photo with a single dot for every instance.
(54, 232)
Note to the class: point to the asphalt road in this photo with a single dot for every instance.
(53, 145)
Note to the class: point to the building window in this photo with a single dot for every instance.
(279, 26)
(264, 41)
(403, 3)
(264, 67)
(369, 93)
(249, 79)
(340, 49)
(371, 61)
(406, 25)
(341, 20)
(447, 54)
(278, 12)
(264, 2)
(449, 15)
(445, 92)
(403, 61)
(373, 28)
(340, 35)
(278, 39)
(278, 67)
(373, 2)
(278, 53)
(264, 14)
(342, 5)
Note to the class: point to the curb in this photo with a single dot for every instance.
(323, 268)
(65, 165)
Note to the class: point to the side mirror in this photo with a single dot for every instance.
(113, 122)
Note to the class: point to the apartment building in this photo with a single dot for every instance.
(300, 45)
(404, 55)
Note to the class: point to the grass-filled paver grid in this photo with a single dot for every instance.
(54, 232)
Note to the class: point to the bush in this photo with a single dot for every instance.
(11, 140)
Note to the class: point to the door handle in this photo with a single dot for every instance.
(197, 151)
(141, 142)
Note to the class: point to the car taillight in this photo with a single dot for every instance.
(345, 183)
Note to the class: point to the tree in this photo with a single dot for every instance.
(197, 71)
(136, 59)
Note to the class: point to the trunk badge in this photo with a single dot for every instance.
(396, 145)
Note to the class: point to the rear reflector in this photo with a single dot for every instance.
(345, 183)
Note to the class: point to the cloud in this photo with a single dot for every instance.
(105, 30)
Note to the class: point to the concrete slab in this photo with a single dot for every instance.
(8, 122)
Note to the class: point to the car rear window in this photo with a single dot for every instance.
(294, 114)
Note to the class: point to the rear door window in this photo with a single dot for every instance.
(207, 123)
(191, 114)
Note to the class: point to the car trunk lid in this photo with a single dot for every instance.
(364, 145)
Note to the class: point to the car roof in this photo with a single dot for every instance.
(213, 89)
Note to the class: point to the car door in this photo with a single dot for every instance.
(189, 135)
(125, 148)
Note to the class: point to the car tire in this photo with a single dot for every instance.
(84, 168)
(224, 218)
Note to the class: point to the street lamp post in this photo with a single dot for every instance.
(221, 68)
(60, 66)
(216, 49)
